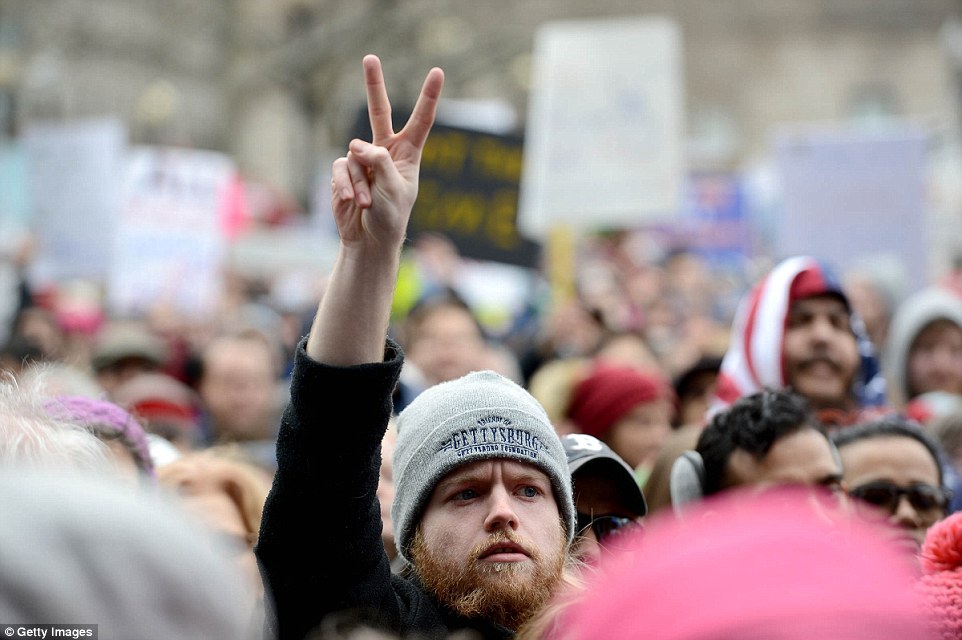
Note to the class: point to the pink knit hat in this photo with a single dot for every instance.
(941, 584)
(609, 393)
(776, 565)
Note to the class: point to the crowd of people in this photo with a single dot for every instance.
(645, 458)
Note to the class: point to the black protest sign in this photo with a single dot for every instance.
(468, 192)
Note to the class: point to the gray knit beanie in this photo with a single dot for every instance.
(480, 416)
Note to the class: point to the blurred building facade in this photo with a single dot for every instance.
(276, 83)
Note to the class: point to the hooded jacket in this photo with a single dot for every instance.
(754, 359)
(912, 316)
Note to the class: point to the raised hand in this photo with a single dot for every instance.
(373, 188)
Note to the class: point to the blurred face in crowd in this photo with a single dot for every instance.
(935, 359)
(878, 469)
(598, 500)
(491, 542)
(820, 353)
(447, 344)
(238, 388)
(803, 457)
(39, 327)
(573, 329)
(640, 434)
(630, 350)
(693, 405)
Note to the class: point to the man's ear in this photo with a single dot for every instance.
(687, 479)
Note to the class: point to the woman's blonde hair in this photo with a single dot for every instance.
(246, 484)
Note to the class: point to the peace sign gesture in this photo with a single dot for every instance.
(373, 188)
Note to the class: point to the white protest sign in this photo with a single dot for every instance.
(169, 244)
(73, 173)
(604, 139)
(14, 211)
(14, 207)
(848, 194)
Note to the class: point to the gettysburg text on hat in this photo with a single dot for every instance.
(494, 434)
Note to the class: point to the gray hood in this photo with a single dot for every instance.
(913, 315)
(77, 549)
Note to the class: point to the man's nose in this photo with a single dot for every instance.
(822, 328)
(905, 514)
(501, 512)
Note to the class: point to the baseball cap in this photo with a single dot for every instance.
(584, 451)
(122, 340)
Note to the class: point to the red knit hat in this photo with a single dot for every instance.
(608, 393)
(941, 584)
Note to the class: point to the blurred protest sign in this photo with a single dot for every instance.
(604, 139)
(13, 187)
(169, 244)
(468, 192)
(73, 174)
(848, 195)
(13, 224)
(712, 221)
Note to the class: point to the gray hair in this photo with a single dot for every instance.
(31, 438)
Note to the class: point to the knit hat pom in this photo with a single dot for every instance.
(942, 550)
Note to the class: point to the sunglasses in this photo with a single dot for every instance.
(605, 526)
(886, 495)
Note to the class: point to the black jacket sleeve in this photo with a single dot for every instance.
(319, 547)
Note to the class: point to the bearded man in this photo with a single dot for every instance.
(483, 509)
(796, 330)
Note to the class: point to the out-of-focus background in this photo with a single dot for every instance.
(169, 161)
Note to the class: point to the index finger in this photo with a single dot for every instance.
(378, 104)
(422, 117)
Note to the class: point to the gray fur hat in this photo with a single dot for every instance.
(480, 416)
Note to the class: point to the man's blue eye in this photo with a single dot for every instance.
(467, 494)
(529, 492)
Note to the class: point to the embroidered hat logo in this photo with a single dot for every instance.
(494, 434)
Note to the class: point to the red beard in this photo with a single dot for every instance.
(507, 593)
